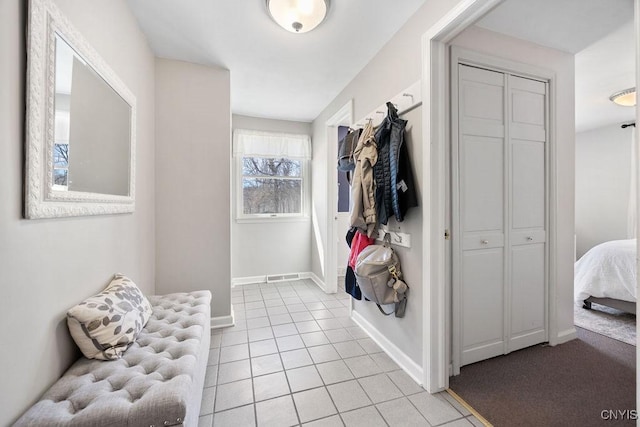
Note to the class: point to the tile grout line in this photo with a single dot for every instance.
(253, 388)
(286, 377)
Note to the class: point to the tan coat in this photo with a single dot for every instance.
(363, 209)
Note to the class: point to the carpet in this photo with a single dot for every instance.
(607, 321)
(566, 385)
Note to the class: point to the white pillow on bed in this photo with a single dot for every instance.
(105, 325)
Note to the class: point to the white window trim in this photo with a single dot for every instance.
(276, 141)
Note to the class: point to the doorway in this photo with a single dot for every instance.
(343, 118)
(436, 297)
(342, 215)
(499, 197)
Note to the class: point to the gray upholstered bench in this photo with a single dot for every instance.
(157, 382)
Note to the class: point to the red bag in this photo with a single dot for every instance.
(359, 242)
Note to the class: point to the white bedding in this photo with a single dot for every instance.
(607, 270)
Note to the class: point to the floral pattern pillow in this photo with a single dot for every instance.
(105, 325)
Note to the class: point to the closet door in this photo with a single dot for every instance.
(481, 263)
(527, 138)
(500, 233)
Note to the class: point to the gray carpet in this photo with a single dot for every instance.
(607, 321)
(566, 385)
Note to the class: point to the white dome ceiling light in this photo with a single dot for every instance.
(626, 98)
(298, 16)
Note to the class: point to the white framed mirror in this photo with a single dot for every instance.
(80, 126)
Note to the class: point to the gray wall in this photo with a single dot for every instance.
(269, 247)
(193, 145)
(603, 178)
(47, 266)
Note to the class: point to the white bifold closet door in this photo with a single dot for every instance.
(500, 267)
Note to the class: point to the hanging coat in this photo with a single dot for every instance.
(395, 188)
(363, 210)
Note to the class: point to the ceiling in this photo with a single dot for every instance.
(601, 37)
(280, 75)
(274, 73)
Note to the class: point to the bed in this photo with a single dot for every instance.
(607, 275)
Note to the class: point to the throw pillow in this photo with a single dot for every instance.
(105, 325)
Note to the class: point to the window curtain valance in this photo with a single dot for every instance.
(271, 144)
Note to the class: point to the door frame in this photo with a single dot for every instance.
(469, 57)
(343, 117)
(436, 301)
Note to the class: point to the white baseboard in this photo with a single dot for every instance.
(566, 335)
(250, 280)
(237, 281)
(319, 282)
(409, 366)
(223, 321)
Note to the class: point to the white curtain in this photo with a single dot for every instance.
(271, 144)
(632, 220)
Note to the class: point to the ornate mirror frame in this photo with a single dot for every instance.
(45, 21)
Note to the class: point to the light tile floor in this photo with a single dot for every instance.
(295, 357)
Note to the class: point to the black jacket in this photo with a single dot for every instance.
(395, 187)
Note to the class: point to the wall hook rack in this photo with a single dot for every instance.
(404, 102)
(397, 238)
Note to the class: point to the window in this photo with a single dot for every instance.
(271, 186)
(61, 149)
(271, 174)
(60, 165)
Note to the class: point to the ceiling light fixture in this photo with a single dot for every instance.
(298, 16)
(626, 98)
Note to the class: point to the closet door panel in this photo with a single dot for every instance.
(482, 94)
(527, 184)
(482, 198)
(527, 102)
(482, 184)
(527, 198)
(481, 102)
(481, 305)
(528, 296)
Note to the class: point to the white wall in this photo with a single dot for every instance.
(272, 247)
(603, 178)
(47, 266)
(193, 143)
(562, 64)
(397, 66)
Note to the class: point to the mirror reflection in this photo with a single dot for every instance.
(92, 126)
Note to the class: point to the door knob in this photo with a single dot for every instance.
(484, 242)
(529, 238)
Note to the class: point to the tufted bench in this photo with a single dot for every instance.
(157, 382)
